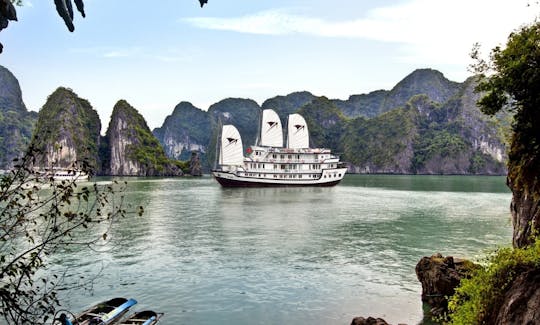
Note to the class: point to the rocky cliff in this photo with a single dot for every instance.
(132, 150)
(325, 123)
(185, 131)
(16, 123)
(67, 131)
(426, 124)
(366, 105)
(242, 113)
(289, 104)
(428, 82)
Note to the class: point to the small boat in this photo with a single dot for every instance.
(269, 163)
(146, 317)
(103, 313)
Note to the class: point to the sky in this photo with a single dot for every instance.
(156, 54)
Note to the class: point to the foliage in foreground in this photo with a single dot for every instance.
(481, 295)
(38, 217)
(511, 81)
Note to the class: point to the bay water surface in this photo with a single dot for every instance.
(203, 254)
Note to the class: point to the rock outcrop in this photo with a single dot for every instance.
(67, 131)
(195, 168)
(16, 122)
(439, 277)
(289, 104)
(368, 321)
(187, 129)
(132, 148)
(521, 302)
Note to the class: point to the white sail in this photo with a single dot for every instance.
(297, 132)
(231, 152)
(271, 130)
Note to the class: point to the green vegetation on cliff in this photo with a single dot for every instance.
(428, 82)
(507, 290)
(15, 134)
(142, 148)
(325, 123)
(16, 123)
(67, 124)
(186, 128)
(443, 132)
(366, 105)
(478, 300)
(381, 144)
(289, 104)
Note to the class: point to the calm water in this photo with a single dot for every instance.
(207, 255)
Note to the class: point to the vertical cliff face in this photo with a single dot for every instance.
(67, 131)
(490, 135)
(132, 149)
(10, 92)
(16, 123)
(186, 130)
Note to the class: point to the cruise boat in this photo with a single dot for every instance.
(269, 163)
(63, 174)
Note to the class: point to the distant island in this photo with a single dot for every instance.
(426, 124)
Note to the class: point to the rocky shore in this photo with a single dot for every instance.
(519, 302)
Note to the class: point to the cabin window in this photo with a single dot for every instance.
(274, 155)
(289, 156)
(282, 156)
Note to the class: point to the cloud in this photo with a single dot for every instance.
(438, 30)
(107, 51)
(135, 52)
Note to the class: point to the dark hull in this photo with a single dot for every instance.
(226, 182)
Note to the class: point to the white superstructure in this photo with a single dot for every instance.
(271, 164)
